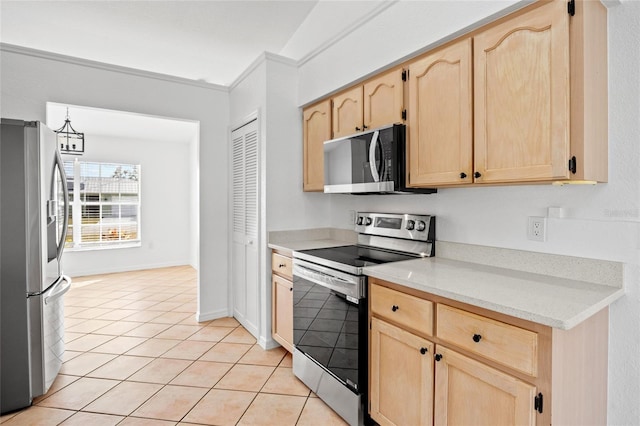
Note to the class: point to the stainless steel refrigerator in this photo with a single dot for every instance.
(34, 213)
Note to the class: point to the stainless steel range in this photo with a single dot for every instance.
(330, 306)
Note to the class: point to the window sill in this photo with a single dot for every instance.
(97, 247)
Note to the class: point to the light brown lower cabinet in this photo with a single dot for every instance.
(458, 364)
(282, 300)
(401, 376)
(282, 319)
(469, 392)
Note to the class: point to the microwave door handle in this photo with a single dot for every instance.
(372, 157)
(381, 168)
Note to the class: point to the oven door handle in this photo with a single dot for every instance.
(331, 282)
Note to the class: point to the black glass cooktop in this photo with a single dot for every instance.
(357, 256)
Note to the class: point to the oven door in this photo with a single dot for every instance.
(329, 321)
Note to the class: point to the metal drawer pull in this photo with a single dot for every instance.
(476, 337)
(395, 308)
(423, 350)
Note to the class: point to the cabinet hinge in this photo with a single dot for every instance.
(405, 75)
(404, 114)
(537, 403)
(573, 164)
(571, 7)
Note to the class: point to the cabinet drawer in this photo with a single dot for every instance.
(402, 309)
(281, 265)
(506, 344)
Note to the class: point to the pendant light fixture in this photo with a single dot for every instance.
(70, 141)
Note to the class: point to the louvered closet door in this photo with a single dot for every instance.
(244, 274)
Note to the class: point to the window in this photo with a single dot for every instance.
(105, 204)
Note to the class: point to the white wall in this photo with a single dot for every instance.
(28, 81)
(269, 87)
(165, 215)
(284, 157)
(601, 221)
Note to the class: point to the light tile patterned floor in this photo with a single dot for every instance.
(135, 355)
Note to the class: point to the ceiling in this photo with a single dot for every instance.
(208, 40)
(212, 41)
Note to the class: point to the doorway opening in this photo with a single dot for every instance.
(165, 151)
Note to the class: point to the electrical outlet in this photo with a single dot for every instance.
(537, 228)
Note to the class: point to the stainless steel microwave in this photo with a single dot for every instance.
(368, 163)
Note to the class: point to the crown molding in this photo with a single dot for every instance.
(351, 28)
(108, 67)
(263, 57)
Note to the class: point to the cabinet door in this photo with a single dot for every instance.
(471, 393)
(384, 100)
(401, 376)
(282, 312)
(522, 97)
(317, 129)
(347, 112)
(440, 117)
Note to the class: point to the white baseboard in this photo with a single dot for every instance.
(111, 269)
(268, 343)
(208, 316)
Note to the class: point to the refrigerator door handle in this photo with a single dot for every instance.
(65, 191)
(58, 293)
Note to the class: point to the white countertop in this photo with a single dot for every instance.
(545, 294)
(289, 247)
(556, 302)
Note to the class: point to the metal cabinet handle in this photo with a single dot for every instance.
(477, 175)
(463, 175)
(282, 265)
(476, 337)
(423, 351)
(438, 357)
(395, 308)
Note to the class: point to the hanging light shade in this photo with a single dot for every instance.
(70, 141)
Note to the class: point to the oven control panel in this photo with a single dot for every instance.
(405, 226)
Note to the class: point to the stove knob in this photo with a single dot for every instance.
(368, 221)
(411, 224)
(360, 220)
(421, 226)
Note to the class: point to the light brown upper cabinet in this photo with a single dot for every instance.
(384, 100)
(347, 112)
(522, 97)
(440, 148)
(540, 96)
(519, 100)
(317, 129)
(376, 103)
